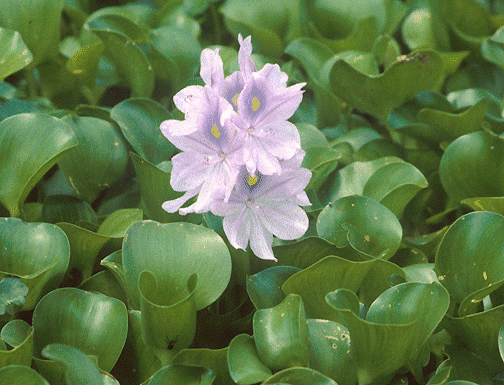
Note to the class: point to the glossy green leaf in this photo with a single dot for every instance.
(281, 334)
(157, 247)
(378, 95)
(19, 335)
(421, 272)
(264, 288)
(305, 252)
(175, 54)
(298, 376)
(330, 351)
(480, 333)
(98, 161)
(245, 366)
(30, 154)
(463, 362)
(105, 282)
(155, 189)
(93, 323)
(84, 247)
(84, 62)
(361, 223)
(469, 258)
(180, 374)
(313, 55)
(471, 166)
(393, 333)
(37, 253)
(332, 273)
(455, 125)
(116, 224)
(80, 369)
(15, 54)
(38, 23)
(12, 295)
(67, 208)
(213, 359)
(168, 313)
(115, 19)
(20, 375)
(139, 119)
(137, 71)
(493, 204)
(389, 180)
(321, 161)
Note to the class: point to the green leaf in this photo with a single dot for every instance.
(180, 374)
(480, 333)
(80, 369)
(469, 258)
(155, 189)
(305, 252)
(19, 375)
(471, 166)
(389, 181)
(137, 71)
(157, 247)
(12, 295)
(493, 204)
(245, 366)
(378, 95)
(29, 154)
(298, 376)
(139, 119)
(501, 342)
(93, 323)
(99, 160)
(281, 334)
(67, 208)
(19, 335)
(84, 247)
(38, 23)
(264, 288)
(15, 54)
(116, 224)
(332, 273)
(175, 54)
(213, 359)
(397, 326)
(168, 314)
(37, 253)
(361, 223)
(330, 351)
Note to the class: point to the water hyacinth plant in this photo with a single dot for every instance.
(238, 151)
(302, 192)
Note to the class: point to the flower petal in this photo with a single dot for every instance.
(172, 127)
(281, 139)
(189, 98)
(173, 205)
(261, 239)
(284, 219)
(237, 228)
(247, 66)
(211, 71)
(189, 171)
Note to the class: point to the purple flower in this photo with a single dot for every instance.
(209, 159)
(261, 206)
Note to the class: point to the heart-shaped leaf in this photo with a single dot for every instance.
(37, 253)
(173, 252)
(213, 359)
(19, 335)
(21, 374)
(245, 366)
(98, 161)
(281, 334)
(139, 119)
(471, 166)
(361, 223)
(469, 258)
(180, 374)
(28, 154)
(93, 323)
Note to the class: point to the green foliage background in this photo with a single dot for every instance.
(400, 276)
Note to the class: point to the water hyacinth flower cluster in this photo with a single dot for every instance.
(240, 156)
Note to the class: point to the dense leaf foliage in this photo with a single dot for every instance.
(398, 278)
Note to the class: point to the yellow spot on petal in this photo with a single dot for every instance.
(234, 99)
(215, 131)
(252, 180)
(255, 104)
